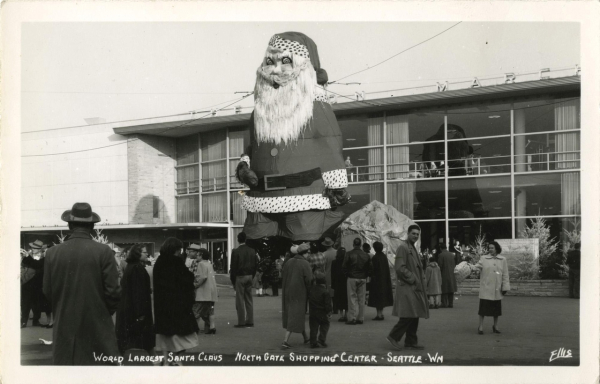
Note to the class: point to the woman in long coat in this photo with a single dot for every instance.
(174, 296)
(134, 325)
(206, 293)
(493, 284)
(380, 287)
(338, 282)
(297, 279)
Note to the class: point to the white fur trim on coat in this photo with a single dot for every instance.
(336, 179)
(285, 203)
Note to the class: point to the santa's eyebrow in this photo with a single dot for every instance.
(275, 53)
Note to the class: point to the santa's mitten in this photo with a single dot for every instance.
(337, 197)
(245, 175)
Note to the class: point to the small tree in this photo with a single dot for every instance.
(571, 237)
(480, 248)
(526, 267)
(61, 238)
(549, 259)
(100, 238)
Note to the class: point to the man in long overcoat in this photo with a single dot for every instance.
(296, 281)
(411, 293)
(447, 264)
(80, 280)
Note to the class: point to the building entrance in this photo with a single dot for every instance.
(218, 254)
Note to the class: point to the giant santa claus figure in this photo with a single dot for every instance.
(294, 165)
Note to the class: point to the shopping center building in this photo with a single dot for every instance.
(486, 158)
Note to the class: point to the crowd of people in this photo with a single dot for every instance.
(169, 306)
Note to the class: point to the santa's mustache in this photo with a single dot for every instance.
(278, 80)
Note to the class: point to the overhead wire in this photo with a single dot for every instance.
(134, 139)
(397, 54)
(485, 77)
(209, 113)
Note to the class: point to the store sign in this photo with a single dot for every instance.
(509, 78)
(517, 250)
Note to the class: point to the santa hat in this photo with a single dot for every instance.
(300, 44)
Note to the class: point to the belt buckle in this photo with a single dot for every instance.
(266, 180)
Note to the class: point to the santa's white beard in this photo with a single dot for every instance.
(280, 115)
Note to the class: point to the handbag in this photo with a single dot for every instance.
(461, 271)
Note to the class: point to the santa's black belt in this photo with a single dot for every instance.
(292, 180)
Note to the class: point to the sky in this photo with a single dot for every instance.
(122, 71)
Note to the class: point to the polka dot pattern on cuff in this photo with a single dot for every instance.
(285, 203)
(336, 179)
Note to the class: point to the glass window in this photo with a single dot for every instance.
(187, 150)
(419, 200)
(547, 151)
(403, 128)
(362, 194)
(466, 231)
(415, 161)
(479, 156)
(547, 194)
(214, 176)
(238, 215)
(479, 197)
(187, 209)
(214, 207)
(547, 115)
(432, 233)
(187, 180)
(213, 145)
(361, 131)
(239, 141)
(479, 121)
(365, 164)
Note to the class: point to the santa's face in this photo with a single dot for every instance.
(283, 96)
(280, 67)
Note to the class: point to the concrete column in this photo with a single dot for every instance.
(151, 167)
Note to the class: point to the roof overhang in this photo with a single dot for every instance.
(185, 125)
(182, 226)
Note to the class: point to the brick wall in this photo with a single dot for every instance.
(151, 170)
(554, 288)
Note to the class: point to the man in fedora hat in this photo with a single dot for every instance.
(80, 280)
(192, 251)
(31, 283)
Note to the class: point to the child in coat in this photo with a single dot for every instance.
(433, 277)
(319, 304)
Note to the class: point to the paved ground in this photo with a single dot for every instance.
(532, 328)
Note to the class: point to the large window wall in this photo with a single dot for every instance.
(486, 168)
